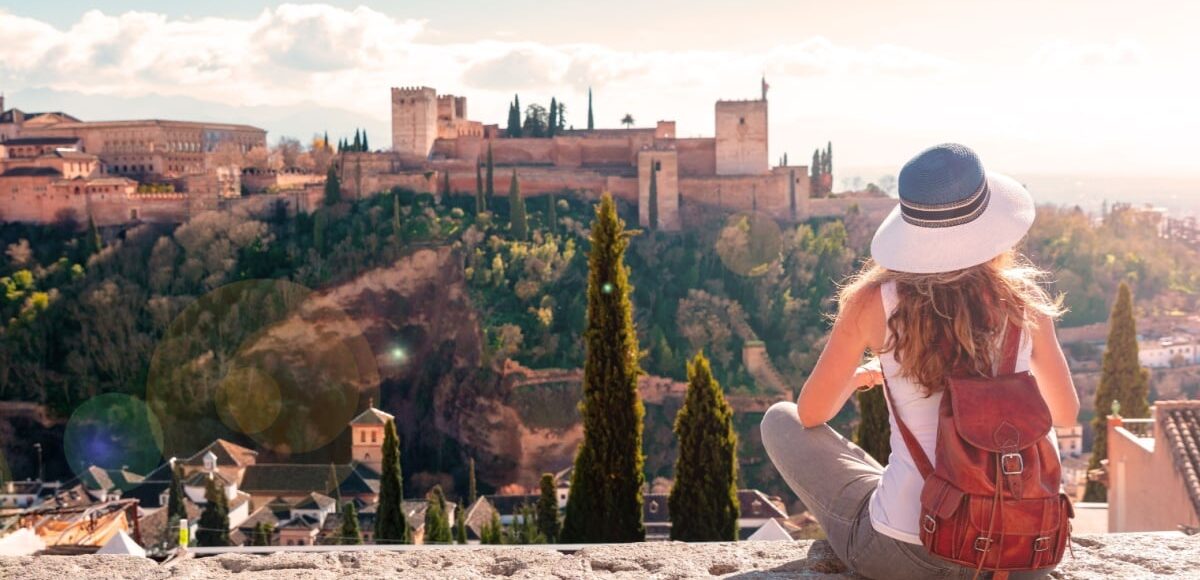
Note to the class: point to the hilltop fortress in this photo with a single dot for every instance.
(434, 142)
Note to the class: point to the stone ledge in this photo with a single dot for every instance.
(1096, 556)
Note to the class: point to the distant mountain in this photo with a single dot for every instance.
(301, 121)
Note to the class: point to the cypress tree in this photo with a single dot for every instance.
(325, 140)
(547, 509)
(653, 211)
(873, 432)
(525, 528)
(349, 535)
(562, 117)
(333, 187)
(446, 183)
(605, 502)
(390, 525)
(480, 203)
(828, 169)
(492, 532)
(516, 209)
(471, 495)
(357, 141)
(396, 223)
(437, 521)
(175, 507)
(703, 503)
(319, 232)
(792, 190)
(262, 534)
(552, 213)
(365, 146)
(1122, 379)
(591, 119)
(552, 125)
(214, 520)
(460, 524)
(491, 178)
(93, 243)
(815, 174)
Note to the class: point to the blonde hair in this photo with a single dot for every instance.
(950, 323)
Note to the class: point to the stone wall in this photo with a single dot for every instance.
(414, 120)
(741, 135)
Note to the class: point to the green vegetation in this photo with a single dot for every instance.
(214, 520)
(605, 502)
(591, 119)
(262, 534)
(350, 534)
(437, 520)
(493, 531)
(1123, 382)
(333, 187)
(391, 527)
(518, 224)
(547, 509)
(460, 524)
(873, 432)
(703, 503)
(175, 507)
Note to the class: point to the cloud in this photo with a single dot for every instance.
(1064, 55)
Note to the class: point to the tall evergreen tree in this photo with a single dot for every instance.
(591, 118)
(828, 169)
(357, 141)
(262, 534)
(493, 531)
(390, 525)
(333, 187)
(437, 520)
(176, 510)
(524, 529)
(93, 243)
(551, 213)
(605, 502)
(471, 494)
(325, 141)
(365, 146)
(703, 503)
(350, 535)
(518, 223)
(562, 117)
(460, 524)
(480, 203)
(547, 509)
(792, 191)
(552, 125)
(491, 177)
(873, 432)
(446, 183)
(214, 520)
(517, 115)
(653, 202)
(396, 223)
(1122, 379)
(814, 172)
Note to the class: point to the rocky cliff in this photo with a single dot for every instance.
(1101, 556)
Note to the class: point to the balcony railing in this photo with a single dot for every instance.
(1142, 428)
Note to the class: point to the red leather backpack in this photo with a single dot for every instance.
(993, 501)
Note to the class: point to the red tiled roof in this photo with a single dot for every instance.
(227, 454)
(1180, 424)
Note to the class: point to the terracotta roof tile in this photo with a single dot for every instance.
(1180, 424)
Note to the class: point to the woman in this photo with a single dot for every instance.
(944, 283)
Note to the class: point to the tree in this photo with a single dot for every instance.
(390, 525)
(471, 496)
(552, 123)
(703, 503)
(653, 202)
(815, 175)
(514, 118)
(536, 121)
(547, 509)
(357, 141)
(627, 120)
(492, 532)
(491, 179)
(214, 520)
(524, 529)
(460, 523)
(446, 183)
(551, 213)
(480, 202)
(93, 243)
(176, 510)
(349, 535)
(1122, 379)
(605, 502)
(437, 521)
(873, 432)
(591, 119)
(333, 187)
(262, 534)
(396, 223)
(365, 146)
(562, 117)
(792, 191)
(516, 208)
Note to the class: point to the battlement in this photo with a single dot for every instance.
(425, 92)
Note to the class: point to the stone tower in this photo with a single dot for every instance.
(741, 137)
(366, 431)
(666, 163)
(414, 120)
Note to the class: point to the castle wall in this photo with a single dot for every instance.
(874, 208)
(741, 137)
(666, 186)
(697, 157)
(414, 120)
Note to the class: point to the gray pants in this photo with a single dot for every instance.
(835, 479)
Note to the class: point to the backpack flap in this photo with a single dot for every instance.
(1000, 414)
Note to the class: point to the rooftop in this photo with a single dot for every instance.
(227, 454)
(40, 141)
(1180, 424)
(372, 416)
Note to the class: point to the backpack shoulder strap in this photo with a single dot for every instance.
(924, 466)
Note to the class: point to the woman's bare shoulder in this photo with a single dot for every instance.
(864, 308)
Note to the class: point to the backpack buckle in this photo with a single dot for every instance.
(983, 543)
(929, 524)
(1041, 544)
(1012, 464)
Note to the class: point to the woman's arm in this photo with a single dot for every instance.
(1049, 367)
(831, 384)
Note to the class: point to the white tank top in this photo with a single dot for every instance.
(896, 504)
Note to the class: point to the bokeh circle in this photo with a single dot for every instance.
(112, 432)
(749, 243)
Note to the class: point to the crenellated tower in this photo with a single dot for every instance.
(414, 120)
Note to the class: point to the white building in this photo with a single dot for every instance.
(1168, 351)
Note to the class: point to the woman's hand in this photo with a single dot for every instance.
(867, 376)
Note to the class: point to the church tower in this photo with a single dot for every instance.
(366, 431)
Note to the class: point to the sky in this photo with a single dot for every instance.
(1086, 88)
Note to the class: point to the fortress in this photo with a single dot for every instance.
(434, 143)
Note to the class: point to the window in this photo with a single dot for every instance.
(373, 434)
(741, 120)
(658, 165)
(362, 436)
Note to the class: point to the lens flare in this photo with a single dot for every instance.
(112, 432)
(749, 243)
(266, 360)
